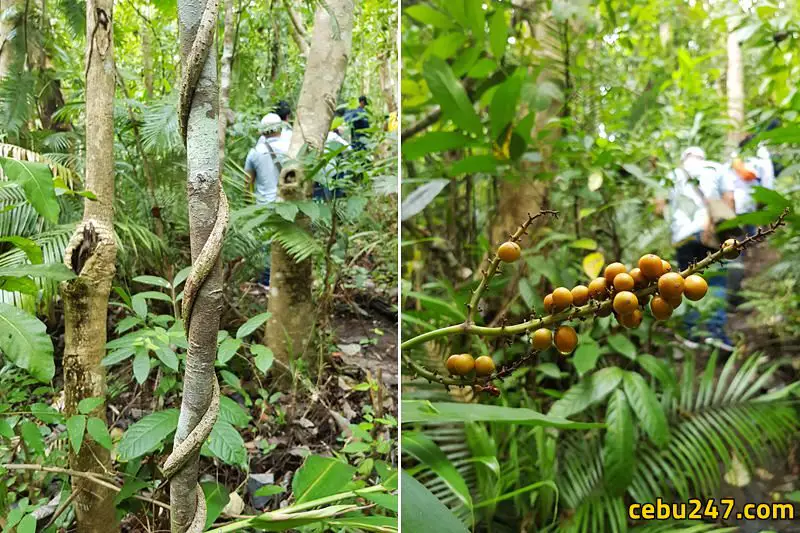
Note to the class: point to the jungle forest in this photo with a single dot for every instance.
(198, 265)
(600, 266)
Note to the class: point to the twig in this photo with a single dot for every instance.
(85, 475)
(61, 508)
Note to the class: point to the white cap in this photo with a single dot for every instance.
(271, 122)
(693, 151)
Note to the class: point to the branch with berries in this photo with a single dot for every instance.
(619, 291)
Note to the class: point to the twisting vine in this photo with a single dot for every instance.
(202, 265)
(468, 327)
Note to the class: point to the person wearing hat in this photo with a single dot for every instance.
(263, 169)
(700, 186)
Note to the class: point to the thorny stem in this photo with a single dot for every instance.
(495, 263)
(469, 328)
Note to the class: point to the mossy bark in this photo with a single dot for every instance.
(91, 253)
(289, 329)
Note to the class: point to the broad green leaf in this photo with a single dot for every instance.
(46, 413)
(443, 412)
(228, 349)
(593, 264)
(139, 304)
(270, 490)
(24, 341)
(427, 15)
(232, 412)
(588, 391)
(387, 501)
(359, 522)
(97, 429)
(32, 437)
(21, 285)
(76, 425)
(498, 33)
(648, 410)
(281, 521)
(181, 276)
(262, 357)
(217, 497)
(618, 450)
(422, 512)
(53, 271)
(118, 355)
(320, 477)
(227, 445)
(503, 108)
(252, 324)
(481, 69)
(6, 430)
(451, 96)
(434, 141)
(623, 345)
(141, 365)
(32, 250)
(155, 295)
(87, 405)
(474, 164)
(585, 357)
(153, 280)
(423, 449)
(147, 434)
(287, 211)
(27, 524)
(36, 180)
(167, 356)
(584, 244)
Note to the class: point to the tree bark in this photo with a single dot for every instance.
(147, 54)
(201, 130)
(289, 328)
(91, 254)
(7, 25)
(735, 87)
(225, 113)
(297, 29)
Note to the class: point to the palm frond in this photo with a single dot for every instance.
(17, 101)
(160, 127)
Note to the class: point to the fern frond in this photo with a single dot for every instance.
(299, 243)
(17, 101)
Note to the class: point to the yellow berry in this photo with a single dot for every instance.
(651, 266)
(484, 366)
(694, 287)
(580, 295)
(562, 298)
(541, 339)
(565, 339)
(509, 252)
(625, 302)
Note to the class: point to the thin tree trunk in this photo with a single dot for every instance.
(203, 176)
(289, 328)
(297, 29)
(92, 255)
(225, 114)
(735, 87)
(147, 54)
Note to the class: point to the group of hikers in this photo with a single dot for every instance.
(265, 160)
(705, 194)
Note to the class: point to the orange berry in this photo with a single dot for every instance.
(541, 339)
(451, 363)
(639, 279)
(631, 320)
(666, 266)
(464, 364)
(484, 366)
(612, 270)
(694, 287)
(562, 298)
(623, 282)
(670, 286)
(660, 308)
(565, 339)
(509, 252)
(580, 295)
(548, 303)
(625, 302)
(651, 266)
(598, 289)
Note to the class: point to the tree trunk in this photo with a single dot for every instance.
(92, 255)
(201, 130)
(225, 113)
(147, 54)
(289, 328)
(297, 29)
(7, 24)
(735, 86)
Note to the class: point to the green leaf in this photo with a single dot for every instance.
(589, 391)
(87, 405)
(99, 432)
(286, 210)
(153, 280)
(139, 304)
(228, 349)
(53, 271)
(32, 250)
(270, 490)
(147, 434)
(118, 355)
(387, 501)
(155, 295)
(24, 341)
(422, 512)
(320, 477)
(141, 365)
(482, 69)
(473, 164)
(252, 324)
(217, 497)
(46, 413)
(168, 357)
(76, 425)
(21, 285)
(27, 524)
(623, 345)
(428, 15)
(443, 412)
(181, 276)
(504, 102)
(618, 451)
(434, 141)
(263, 357)
(584, 244)
(232, 413)
(6, 430)
(36, 180)
(359, 522)
(647, 408)
(227, 445)
(451, 96)
(498, 33)
(32, 437)
(586, 356)
(429, 454)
